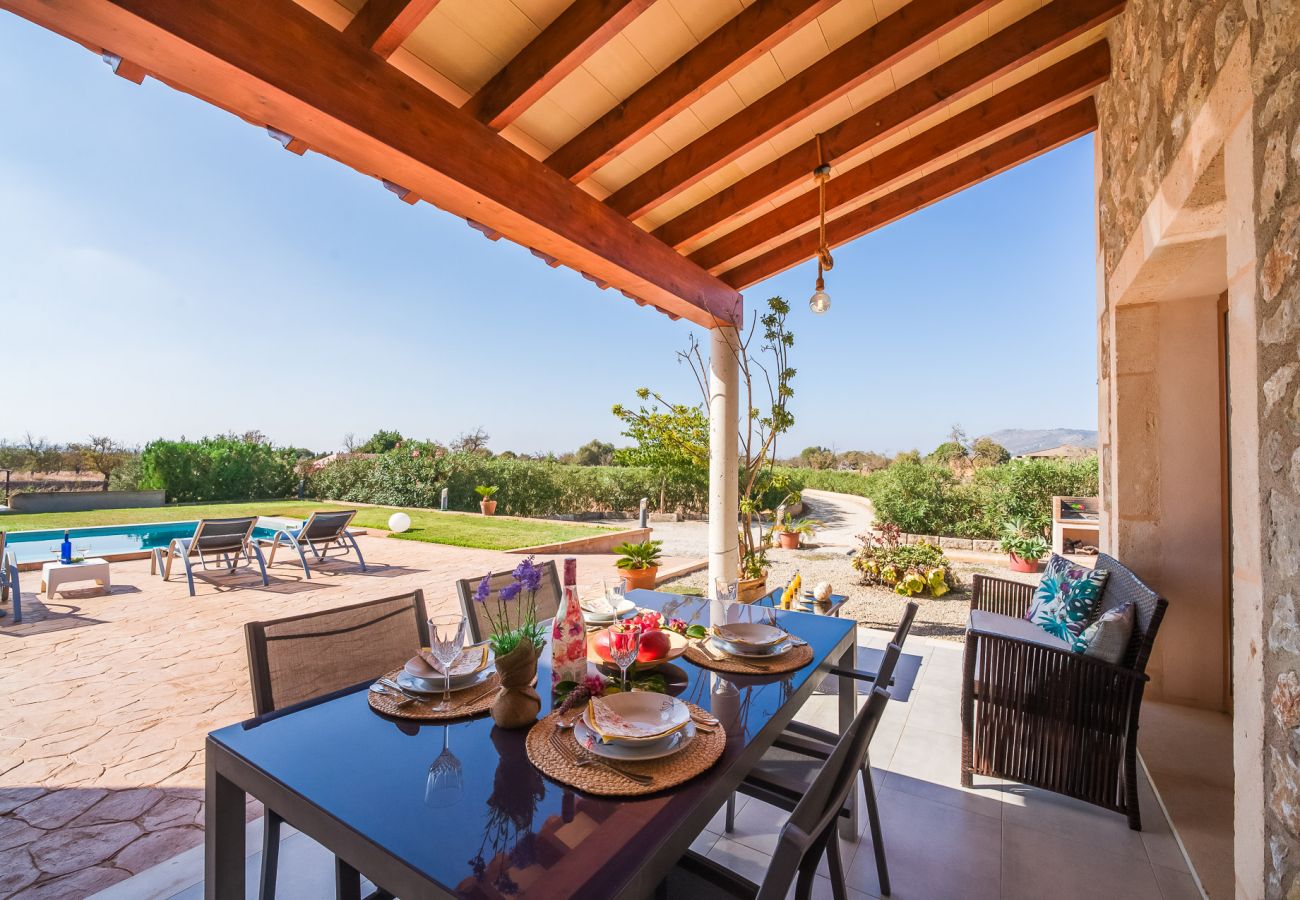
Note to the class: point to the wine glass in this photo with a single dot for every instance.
(726, 593)
(615, 594)
(446, 641)
(83, 550)
(624, 646)
(446, 783)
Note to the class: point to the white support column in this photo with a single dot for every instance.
(724, 486)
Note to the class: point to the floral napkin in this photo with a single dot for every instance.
(470, 660)
(610, 725)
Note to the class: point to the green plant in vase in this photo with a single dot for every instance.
(1023, 544)
(639, 563)
(486, 503)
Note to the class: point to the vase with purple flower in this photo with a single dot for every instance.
(517, 641)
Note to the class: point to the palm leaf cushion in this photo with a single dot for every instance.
(1066, 599)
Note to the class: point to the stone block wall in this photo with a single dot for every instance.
(1167, 55)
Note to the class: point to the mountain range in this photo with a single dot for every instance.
(1029, 440)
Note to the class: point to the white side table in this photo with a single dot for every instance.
(54, 575)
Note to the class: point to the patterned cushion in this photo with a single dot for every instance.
(1107, 638)
(1066, 598)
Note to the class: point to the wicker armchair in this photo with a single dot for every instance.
(1040, 714)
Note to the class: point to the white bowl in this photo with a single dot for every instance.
(665, 746)
(647, 716)
(750, 634)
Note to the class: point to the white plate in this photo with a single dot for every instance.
(780, 649)
(655, 750)
(626, 608)
(434, 685)
(419, 668)
(750, 634)
(646, 709)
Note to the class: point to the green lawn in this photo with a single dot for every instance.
(456, 529)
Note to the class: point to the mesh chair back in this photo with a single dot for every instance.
(480, 627)
(812, 823)
(327, 526)
(1122, 586)
(904, 624)
(222, 535)
(294, 659)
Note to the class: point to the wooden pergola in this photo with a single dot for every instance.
(662, 148)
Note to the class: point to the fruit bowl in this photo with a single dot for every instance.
(657, 647)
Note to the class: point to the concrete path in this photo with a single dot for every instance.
(843, 517)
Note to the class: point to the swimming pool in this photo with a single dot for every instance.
(106, 540)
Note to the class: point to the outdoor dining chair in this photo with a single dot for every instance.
(217, 544)
(9, 582)
(548, 599)
(810, 830)
(783, 774)
(321, 532)
(295, 659)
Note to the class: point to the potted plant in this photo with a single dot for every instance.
(639, 563)
(790, 532)
(1023, 545)
(517, 640)
(486, 504)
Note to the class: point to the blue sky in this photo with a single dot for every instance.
(152, 245)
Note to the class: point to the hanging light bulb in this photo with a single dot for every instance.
(820, 301)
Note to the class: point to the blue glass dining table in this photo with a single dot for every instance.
(362, 784)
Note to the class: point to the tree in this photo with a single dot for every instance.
(475, 441)
(381, 442)
(987, 452)
(817, 457)
(906, 457)
(670, 439)
(350, 442)
(105, 456)
(863, 460)
(594, 453)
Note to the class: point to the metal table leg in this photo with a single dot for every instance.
(223, 858)
(848, 694)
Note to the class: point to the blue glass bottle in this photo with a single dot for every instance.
(65, 550)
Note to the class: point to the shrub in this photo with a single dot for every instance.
(1024, 488)
(221, 468)
(907, 568)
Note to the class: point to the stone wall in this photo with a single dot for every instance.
(1167, 54)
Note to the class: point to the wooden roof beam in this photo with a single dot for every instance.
(1006, 50)
(124, 68)
(274, 61)
(1024, 103)
(382, 25)
(732, 46)
(578, 32)
(1059, 129)
(890, 41)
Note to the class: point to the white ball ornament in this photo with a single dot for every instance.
(399, 522)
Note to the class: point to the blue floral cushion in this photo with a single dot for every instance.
(1066, 599)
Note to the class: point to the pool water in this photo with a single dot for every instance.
(43, 546)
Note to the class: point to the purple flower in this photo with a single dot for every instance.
(529, 575)
(484, 589)
(510, 591)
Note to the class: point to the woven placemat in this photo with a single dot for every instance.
(469, 702)
(670, 771)
(797, 658)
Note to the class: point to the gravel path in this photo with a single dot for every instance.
(828, 557)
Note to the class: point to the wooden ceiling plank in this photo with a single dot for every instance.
(1053, 132)
(734, 45)
(275, 62)
(1029, 101)
(382, 25)
(893, 39)
(1006, 50)
(578, 32)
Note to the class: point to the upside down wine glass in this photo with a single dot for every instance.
(446, 641)
(623, 649)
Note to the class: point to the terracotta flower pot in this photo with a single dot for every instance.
(789, 539)
(517, 703)
(489, 507)
(1017, 564)
(640, 578)
(751, 589)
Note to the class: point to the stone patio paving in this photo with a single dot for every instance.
(107, 700)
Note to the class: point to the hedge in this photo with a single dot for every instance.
(217, 469)
(527, 487)
(928, 498)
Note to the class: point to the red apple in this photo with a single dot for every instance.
(654, 645)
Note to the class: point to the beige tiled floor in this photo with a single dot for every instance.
(106, 700)
(996, 840)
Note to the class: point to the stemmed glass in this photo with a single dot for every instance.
(446, 641)
(623, 649)
(615, 595)
(726, 593)
(446, 781)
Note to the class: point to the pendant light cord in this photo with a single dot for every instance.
(823, 174)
